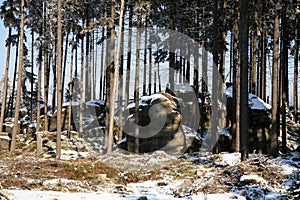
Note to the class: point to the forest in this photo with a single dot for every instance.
(184, 77)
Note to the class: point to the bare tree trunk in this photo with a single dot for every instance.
(296, 62)
(59, 77)
(284, 70)
(71, 86)
(11, 100)
(19, 86)
(32, 82)
(275, 120)
(136, 91)
(3, 106)
(128, 56)
(215, 82)
(243, 39)
(65, 66)
(112, 80)
(115, 80)
(45, 71)
(145, 63)
(254, 60)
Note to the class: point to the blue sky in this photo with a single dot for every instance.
(3, 36)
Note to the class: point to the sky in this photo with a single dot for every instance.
(3, 36)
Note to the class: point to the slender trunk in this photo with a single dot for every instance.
(136, 92)
(102, 67)
(275, 120)
(19, 87)
(215, 82)
(128, 56)
(71, 86)
(145, 63)
(254, 60)
(3, 106)
(65, 66)
(121, 82)
(172, 48)
(296, 62)
(87, 86)
(40, 60)
(243, 46)
(11, 103)
(59, 77)
(284, 70)
(45, 71)
(32, 81)
(115, 79)
(112, 86)
(150, 69)
(81, 86)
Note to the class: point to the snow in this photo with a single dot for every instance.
(253, 178)
(73, 104)
(254, 102)
(183, 88)
(230, 158)
(50, 195)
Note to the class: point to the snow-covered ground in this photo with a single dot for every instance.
(253, 186)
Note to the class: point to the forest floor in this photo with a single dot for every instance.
(120, 175)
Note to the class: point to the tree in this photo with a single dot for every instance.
(19, 86)
(275, 120)
(115, 82)
(59, 76)
(243, 47)
(3, 106)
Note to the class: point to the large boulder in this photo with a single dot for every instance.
(159, 122)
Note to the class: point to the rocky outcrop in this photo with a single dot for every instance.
(159, 127)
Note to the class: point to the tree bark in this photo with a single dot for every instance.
(59, 82)
(275, 120)
(19, 86)
(3, 106)
(243, 46)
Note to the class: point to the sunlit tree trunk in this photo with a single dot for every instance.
(3, 106)
(275, 120)
(59, 79)
(254, 56)
(128, 55)
(136, 92)
(19, 86)
(111, 85)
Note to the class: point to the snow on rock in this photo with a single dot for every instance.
(254, 102)
(253, 178)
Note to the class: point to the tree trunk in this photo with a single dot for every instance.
(64, 66)
(71, 85)
(254, 60)
(128, 56)
(3, 106)
(115, 79)
(59, 77)
(112, 70)
(296, 62)
(11, 101)
(32, 82)
(46, 85)
(145, 63)
(284, 74)
(243, 46)
(236, 89)
(215, 81)
(136, 92)
(19, 86)
(275, 120)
